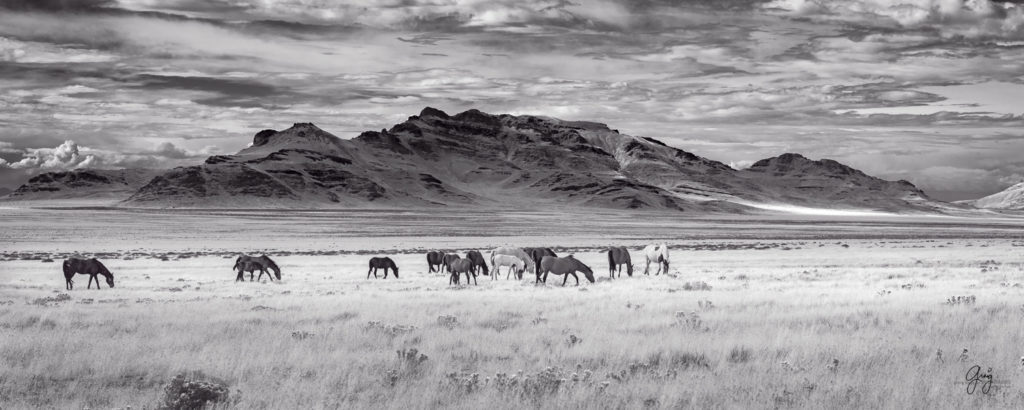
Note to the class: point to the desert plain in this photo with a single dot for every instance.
(756, 311)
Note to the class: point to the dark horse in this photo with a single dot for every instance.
(448, 259)
(565, 266)
(435, 260)
(478, 261)
(617, 256)
(382, 263)
(537, 254)
(461, 266)
(91, 267)
(246, 263)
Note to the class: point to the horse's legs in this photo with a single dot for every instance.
(566, 278)
(647, 268)
(574, 277)
(368, 273)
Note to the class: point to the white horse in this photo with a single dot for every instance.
(517, 252)
(657, 254)
(515, 264)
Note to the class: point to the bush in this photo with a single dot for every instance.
(739, 355)
(196, 391)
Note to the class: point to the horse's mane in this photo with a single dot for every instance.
(271, 263)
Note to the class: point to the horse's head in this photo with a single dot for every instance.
(110, 279)
(394, 266)
(585, 269)
(273, 266)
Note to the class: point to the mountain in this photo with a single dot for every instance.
(115, 184)
(1009, 198)
(477, 159)
(795, 179)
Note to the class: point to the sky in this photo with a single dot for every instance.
(924, 90)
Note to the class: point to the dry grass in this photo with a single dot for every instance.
(807, 327)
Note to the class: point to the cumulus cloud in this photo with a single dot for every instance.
(64, 156)
(69, 155)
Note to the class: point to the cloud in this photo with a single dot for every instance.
(970, 18)
(63, 157)
(56, 5)
(69, 155)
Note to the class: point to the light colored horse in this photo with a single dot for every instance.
(517, 252)
(564, 266)
(515, 265)
(657, 254)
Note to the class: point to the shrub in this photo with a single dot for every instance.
(739, 355)
(196, 391)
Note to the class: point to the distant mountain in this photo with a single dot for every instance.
(115, 184)
(477, 159)
(1009, 198)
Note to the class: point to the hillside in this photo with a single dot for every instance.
(477, 159)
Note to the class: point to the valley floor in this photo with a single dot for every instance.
(755, 312)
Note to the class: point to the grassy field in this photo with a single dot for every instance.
(737, 323)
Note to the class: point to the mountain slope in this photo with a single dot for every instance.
(112, 184)
(478, 159)
(1009, 198)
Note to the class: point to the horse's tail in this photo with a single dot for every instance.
(483, 264)
(611, 260)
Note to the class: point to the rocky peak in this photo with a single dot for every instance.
(433, 112)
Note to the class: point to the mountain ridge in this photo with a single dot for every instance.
(476, 159)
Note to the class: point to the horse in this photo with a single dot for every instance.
(246, 263)
(435, 260)
(617, 256)
(462, 265)
(478, 261)
(656, 253)
(91, 267)
(517, 252)
(536, 254)
(448, 259)
(565, 266)
(382, 263)
(515, 265)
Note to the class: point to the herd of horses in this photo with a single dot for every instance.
(517, 261)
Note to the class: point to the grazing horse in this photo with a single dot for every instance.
(515, 265)
(91, 267)
(517, 252)
(448, 259)
(246, 263)
(565, 266)
(536, 254)
(617, 256)
(478, 261)
(656, 253)
(462, 265)
(382, 263)
(435, 260)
